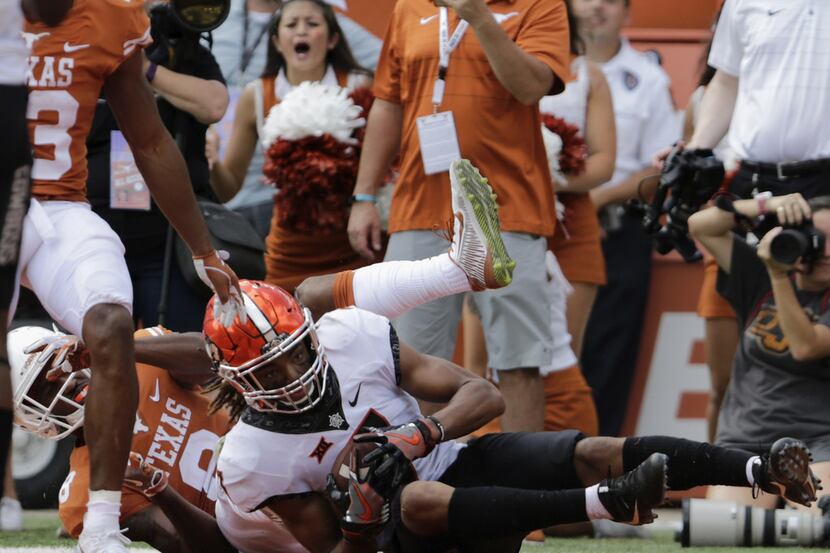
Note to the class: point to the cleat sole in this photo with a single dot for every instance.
(485, 209)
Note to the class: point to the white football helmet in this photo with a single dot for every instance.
(53, 417)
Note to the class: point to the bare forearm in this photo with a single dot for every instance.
(599, 168)
(183, 355)
(476, 403)
(206, 100)
(715, 112)
(525, 77)
(380, 146)
(165, 173)
(626, 190)
(198, 530)
(223, 182)
(796, 326)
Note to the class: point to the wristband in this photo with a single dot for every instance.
(205, 256)
(364, 198)
(151, 72)
(440, 427)
(761, 200)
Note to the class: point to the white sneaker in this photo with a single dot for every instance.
(11, 515)
(112, 541)
(477, 247)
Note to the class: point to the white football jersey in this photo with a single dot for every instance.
(267, 455)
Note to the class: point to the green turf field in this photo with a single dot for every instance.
(41, 525)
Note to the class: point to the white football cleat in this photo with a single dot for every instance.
(477, 247)
(11, 515)
(110, 541)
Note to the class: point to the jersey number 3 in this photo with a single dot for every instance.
(55, 134)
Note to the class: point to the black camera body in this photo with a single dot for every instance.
(688, 180)
(804, 242)
(182, 22)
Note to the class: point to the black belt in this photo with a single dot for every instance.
(783, 171)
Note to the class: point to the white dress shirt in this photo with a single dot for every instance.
(780, 52)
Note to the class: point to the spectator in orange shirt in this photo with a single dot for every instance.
(491, 81)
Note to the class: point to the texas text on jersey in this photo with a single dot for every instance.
(273, 454)
(65, 73)
(173, 431)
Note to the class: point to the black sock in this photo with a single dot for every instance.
(5, 444)
(493, 512)
(690, 463)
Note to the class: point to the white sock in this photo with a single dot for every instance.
(751, 462)
(593, 506)
(394, 287)
(103, 511)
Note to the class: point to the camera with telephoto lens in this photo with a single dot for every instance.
(182, 21)
(726, 524)
(805, 242)
(688, 180)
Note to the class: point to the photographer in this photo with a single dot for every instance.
(191, 95)
(780, 379)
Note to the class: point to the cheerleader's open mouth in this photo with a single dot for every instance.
(302, 49)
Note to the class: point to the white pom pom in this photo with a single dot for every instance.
(313, 109)
(553, 148)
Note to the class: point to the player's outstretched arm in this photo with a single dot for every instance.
(195, 528)
(471, 401)
(183, 355)
(163, 168)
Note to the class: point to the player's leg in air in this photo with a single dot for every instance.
(476, 260)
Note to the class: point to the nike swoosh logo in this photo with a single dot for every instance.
(425, 20)
(353, 402)
(502, 17)
(156, 396)
(68, 48)
(773, 12)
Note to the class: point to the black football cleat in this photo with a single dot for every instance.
(785, 471)
(631, 497)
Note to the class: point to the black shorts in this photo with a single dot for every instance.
(526, 460)
(15, 184)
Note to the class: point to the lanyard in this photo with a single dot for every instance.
(248, 51)
(446, 45)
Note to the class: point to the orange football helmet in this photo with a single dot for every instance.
(276, 324)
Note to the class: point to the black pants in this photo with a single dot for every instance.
(810, 186)
(614, 329)
(524, 460)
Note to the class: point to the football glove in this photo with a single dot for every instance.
(221, 279)
(64, 354)
(368, 508)
(399, 446)
(143, 477)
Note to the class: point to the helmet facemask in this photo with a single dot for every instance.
(40, 416)
(298, 396)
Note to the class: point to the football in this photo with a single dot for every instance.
(340, 469)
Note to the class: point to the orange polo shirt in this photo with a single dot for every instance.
(499, 134)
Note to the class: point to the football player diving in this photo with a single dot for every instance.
(330, 439)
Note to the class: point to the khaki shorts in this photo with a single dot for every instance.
(516, 318)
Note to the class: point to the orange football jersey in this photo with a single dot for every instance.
(67, 68)
(173, 431)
